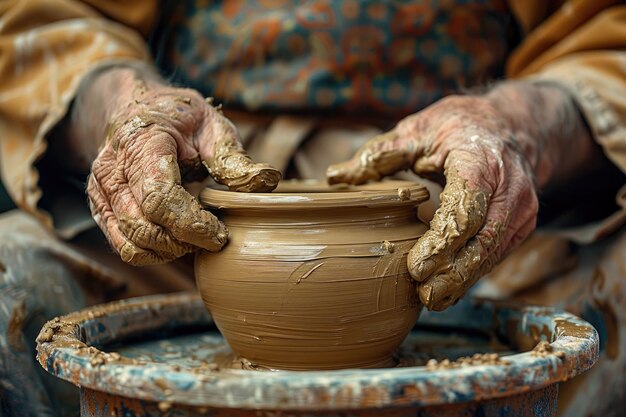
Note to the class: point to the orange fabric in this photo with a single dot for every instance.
(48, 46)
(137, 14)
(573, 27)
(582, 47)
(531, 13)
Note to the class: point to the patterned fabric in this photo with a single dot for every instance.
(391, 57)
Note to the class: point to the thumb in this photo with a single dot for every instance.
(230, 165)
(383, 155)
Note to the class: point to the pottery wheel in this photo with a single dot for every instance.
(166, 349)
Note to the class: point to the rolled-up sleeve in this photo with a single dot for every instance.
(582, 47)
(47, 47)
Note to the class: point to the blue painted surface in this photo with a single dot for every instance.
(174, 369)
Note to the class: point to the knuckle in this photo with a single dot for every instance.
(154, 202)
(138, 231)
(453, 100)
(151, 236)
(191, 95)
(487, 240)
(410, 123)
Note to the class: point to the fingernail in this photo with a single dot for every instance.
(432, 292)
(133, 255)
(127, 252)
(266, 179)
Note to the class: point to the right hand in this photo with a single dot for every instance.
(495, 151)
(156, 138)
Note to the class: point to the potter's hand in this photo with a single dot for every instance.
(154, 139)
(495, 151)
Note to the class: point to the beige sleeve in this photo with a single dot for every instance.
(46, 48)
(582, 47)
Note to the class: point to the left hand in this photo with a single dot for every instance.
(144, 141)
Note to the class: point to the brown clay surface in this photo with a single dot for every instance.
(232, 167)
(315, 279)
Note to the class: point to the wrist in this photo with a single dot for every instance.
(548, 128)
(101, 95)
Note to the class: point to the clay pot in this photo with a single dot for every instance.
(314, 277)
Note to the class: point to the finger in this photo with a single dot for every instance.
(446, 287)
(383, 155)
(154, 179)
(106, 220)
(139, 230)
(445, 290)
(109, 184)
(460, 216)
(480, 255)
(227, 161)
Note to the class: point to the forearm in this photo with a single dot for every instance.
(549, 129)
(79, 138)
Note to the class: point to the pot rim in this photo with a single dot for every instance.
(375, 194)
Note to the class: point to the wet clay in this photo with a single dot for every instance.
(544, 349)
(475, 360)
(446, 252)
(314, 277)
(378, 158)
(232, 167)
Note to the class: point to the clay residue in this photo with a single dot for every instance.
(573, 329)
(119, 133)
(376, 159)
(404, 193)
(544, 349)
(234, 361)
(477, 359)
(445, 259)
(99, 358)
(64, 332)
(232, 167)
(169, 204)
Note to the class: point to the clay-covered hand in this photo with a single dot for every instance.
(154, 139)
(495, 151)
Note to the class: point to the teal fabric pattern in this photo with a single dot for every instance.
(386, 57)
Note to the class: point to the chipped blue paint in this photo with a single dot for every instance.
(173, 371)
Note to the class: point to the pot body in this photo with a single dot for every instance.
(324, 288)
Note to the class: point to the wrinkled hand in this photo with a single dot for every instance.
(157, 138)
(492, 167)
